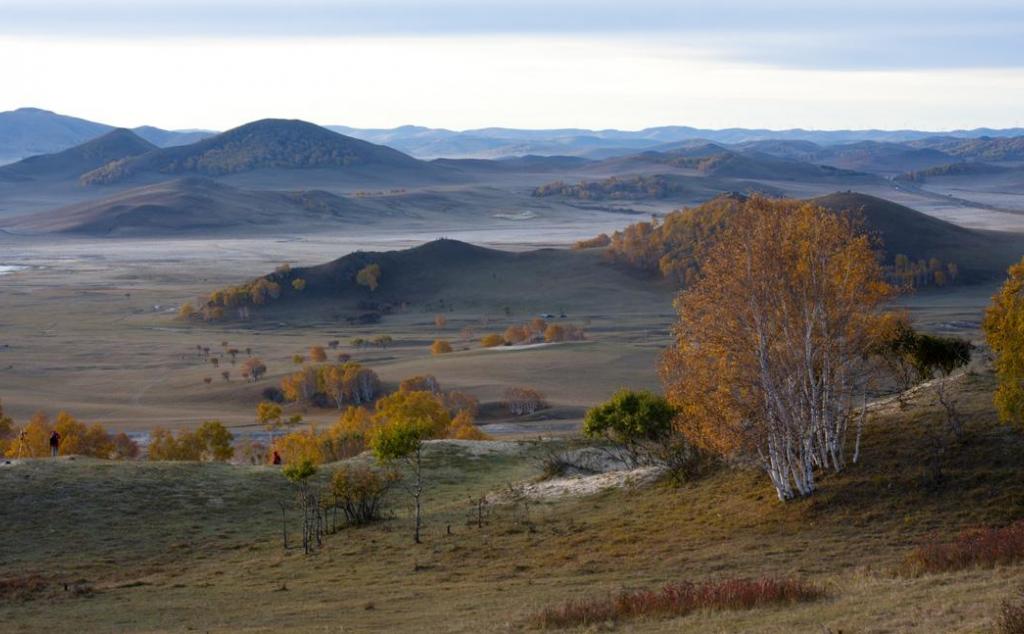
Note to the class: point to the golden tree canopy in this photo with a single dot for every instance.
(771, 338)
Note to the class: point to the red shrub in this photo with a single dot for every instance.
(678, 599)
(973, 547)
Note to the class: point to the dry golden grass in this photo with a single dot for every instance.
(168, 546)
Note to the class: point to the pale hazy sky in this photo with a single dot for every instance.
(520, 63)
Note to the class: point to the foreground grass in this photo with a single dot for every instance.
(167, 547)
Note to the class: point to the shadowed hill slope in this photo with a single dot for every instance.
(979, 254)
(71, 163)
(268, 143)
(190, 204)
(450, 274)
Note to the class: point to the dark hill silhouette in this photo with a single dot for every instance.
(449, 273)
(964, 168)
(981, 149)
(979, 254)
(268, 143)
(114, 145)
(711, 159)
(880, 158)
(192, 204)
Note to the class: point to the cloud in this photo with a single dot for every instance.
(459, 82)
(869, 34)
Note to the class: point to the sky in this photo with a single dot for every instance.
(460, 64)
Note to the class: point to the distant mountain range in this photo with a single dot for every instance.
(268, 143)
(492, 143)
(30, 131)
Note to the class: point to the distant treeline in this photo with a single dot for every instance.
(952, 169)
(615, 188)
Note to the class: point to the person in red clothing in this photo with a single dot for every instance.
(54, 443)
(277, 458)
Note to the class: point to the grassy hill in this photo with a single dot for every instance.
(674, 246)
(448, 274)
(114, 145)
(189, 205)
(712, 160)
(880, 158)
(653, 187)
(981, 149)
(268, 143)
(963, 168)
(981, 255)
(85, 542)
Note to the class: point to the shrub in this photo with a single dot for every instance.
(523, 400)
(457, 402)
(972, 548)
(420, 383)
(517, 334)
(633, 419)
(492, 340)
(211, 442)
(563, 332)
(1011, 616)
(300, 446)
(678, 599)
(360, 491)
(463, 428)
(124, 447)
(440, 346)
(596, 242)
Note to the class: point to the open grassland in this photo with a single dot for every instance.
(95, 334)
(168, 547)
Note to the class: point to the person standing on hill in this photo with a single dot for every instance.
(54, 443)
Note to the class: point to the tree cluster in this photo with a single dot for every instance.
(616, 188)
(211, 442)
(772, 343)
(31, 440)
(341, 384)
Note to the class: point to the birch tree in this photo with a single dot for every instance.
(772, 340)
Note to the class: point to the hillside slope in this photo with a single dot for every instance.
(979, 254)
(114, 145)
(188, 205)
(447, 274)
(31, 131)
(268, 143)
(880, 158)
(212, 547)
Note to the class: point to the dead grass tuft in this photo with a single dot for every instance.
(678, 599)
(1011, 616)
(23, 588)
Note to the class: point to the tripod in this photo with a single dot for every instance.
(21, 446)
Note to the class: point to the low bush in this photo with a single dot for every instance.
(1011, 616)
(360, 491)
(492, 341)
(973, 548)
(440, 346)
(678, 599)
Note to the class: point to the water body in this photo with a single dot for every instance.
(10, 268)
